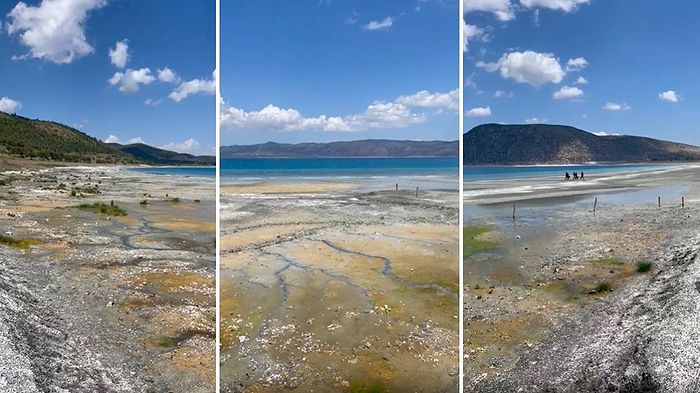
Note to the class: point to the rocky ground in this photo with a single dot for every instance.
(333, 290)
(560, 305)
(94, 300)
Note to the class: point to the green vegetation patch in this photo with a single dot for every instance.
(603, 287)
(609, 261)
(360, 387)
(472, 243)
(18, 243)
(165, 341)
(643, 266)
(101, 208)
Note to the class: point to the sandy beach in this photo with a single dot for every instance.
(562, 299)
(118, 297)
(329, 287)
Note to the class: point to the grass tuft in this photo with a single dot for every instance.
(18, 243)
(643, 267)
(101, 208)
(603, 287)
(472, 243)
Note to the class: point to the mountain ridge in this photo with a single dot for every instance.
(531, 144)
(348, 149)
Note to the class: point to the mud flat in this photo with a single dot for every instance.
(106, 283)
(333, 288)
(566, 300)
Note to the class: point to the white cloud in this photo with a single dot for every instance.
(502, 9)
(563, 5)
(576, 64)
(567, 93)
(8, 105)
(581, 81)
(129, 80)
(119, 55)
(470, 32)
(615, 107)
(152, 102)
(529, 67)
(503, 94)
(670, 96)
(535, 120)
(191, 146)
(195, 86)
(115, 139)
(168, 76)
(379, 25)
(54, 30)
(479, 112)
(426, 99)
(603, 133)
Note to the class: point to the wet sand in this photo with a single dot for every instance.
(555, 300)
(330, 289)
(107, 303)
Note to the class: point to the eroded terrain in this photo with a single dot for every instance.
(332, 290)
(107, 280)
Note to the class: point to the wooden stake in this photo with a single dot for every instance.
(513, 211)
(659, 198)
(595, 203)
(397, 186)
(682, 201)
(416, 192)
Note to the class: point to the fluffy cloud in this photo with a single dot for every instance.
(8, 105)
(115, 139)
(426, 99)
(502, 9)
(529, 67)
(152, 102)
(670, 96)
(535, 120)
(615, 107)
(563, 5)
(470, 32)
(576, 64)
(567, 93)
(54, 30)
(190, 146)
(168, 76)
(479, 112)
(379, 25)
(129, 80)
(195, 86)
(119, 55)
(581, 81)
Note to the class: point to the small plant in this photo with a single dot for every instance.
(197, 201)
(17, 243)
(643, 267)
(603, 287)
(143, 202)
(175, 200)
(101, 208)
(165, 341)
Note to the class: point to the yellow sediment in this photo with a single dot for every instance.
(248, 237)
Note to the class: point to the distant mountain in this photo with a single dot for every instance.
(154, 155)
(47, 140)
(361, 148)
(521, 144)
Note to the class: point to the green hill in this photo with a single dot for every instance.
(520, 144)
(27, 138)
(46, 140)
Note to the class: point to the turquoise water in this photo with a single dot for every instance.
(555, 171)
(271, 168)
(198, 171)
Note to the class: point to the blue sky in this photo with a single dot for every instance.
(66, 73)
(641, 65)
(327, 70)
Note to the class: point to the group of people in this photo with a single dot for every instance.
(576, 176)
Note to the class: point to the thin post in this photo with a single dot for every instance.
(513, 211)
(595, 203)
(416, 192)
(682, 201)
(659, 199)
(397, 186)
